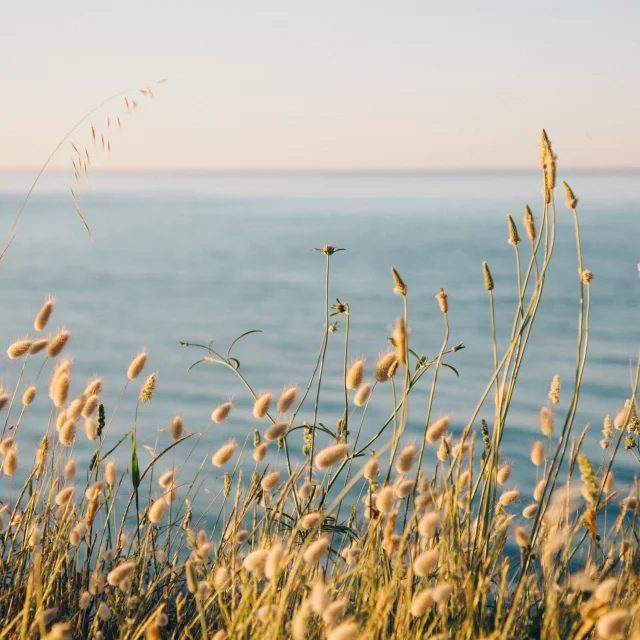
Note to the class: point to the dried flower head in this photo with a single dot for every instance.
(137, 365)
(157, 510)
(406, 458)
(260, 451)
(383, 366)
(262, 405)
(316, 550)
(222, 411)
(275, 431)
(223, 454)
(57, 343)
(330, 455)
(571, 200)
(443, 300)
(400, 288)
(355, 374)
(44, 314)
(399, 336)
(488, 278)
(176, 428)
(148, 388)
(362, 394)
(287, 398)
(270, 480)
(514, 237)
(529, 223)
(18, 348)
(437, 429)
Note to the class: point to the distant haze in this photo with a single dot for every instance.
(331, 85)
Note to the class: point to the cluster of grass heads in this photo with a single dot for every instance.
(356, 542)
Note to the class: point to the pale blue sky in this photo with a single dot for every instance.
(256, 84)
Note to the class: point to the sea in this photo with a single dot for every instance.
(202, 257)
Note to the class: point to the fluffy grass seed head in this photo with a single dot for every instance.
(406, 458)
(399, 336)
(223, 454)
(38, 345)
(554, 392)
(57, 343)
(421, 603)
(345, 631)
(222, 411)
(385, 500)
(91, 429)
(287, 398)
(276, 431)
(110, 473)
(148, 388)
(260, 451)
(157, 510)
(270, 481)
(371, 469)
(426, 562)
(64, 496)
(90, 406)
(521, 537)
(67, 435)
(537, 453)
(547, 422)
(176, 428)
(6, 445)
(437, 429)
(428, 524)
(514, 237)
(613, 624)
(384, 365)
(137, 365)
(307, 490)
(316, 550)
(44, 314)
(319, 596)
(509, 497)
(93, 388)
(330, 455)
(262, 405)
(70, 469)
(529, 223)
(272, 565)
(504, 473)
(18, 348)
(355, 373)
(255, 561)
(362, 394)
(61, 392)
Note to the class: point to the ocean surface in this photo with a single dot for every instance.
(201, 257)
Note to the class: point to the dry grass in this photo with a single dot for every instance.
(349, 544)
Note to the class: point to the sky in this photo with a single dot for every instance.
(332, 85)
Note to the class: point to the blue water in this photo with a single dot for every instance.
(196, 257)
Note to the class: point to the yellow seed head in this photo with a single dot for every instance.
(137, 365)
(75, 408)
(371, 469)
(10, 464)
(157, 509)
(310, 520)
(270, 480)
(90, 406)
(571, 200)
(110, 473)
(148, 388)
(509, 497)
(67, 434)
(61, 392)
(421, 603)
(91, 429)
(70, 469)
(275, 431)
(437, 429)
(443, 300)
(530, 510)
(488, 278)
(400, 288)
(38, 345)
(399, 336)
(316, 550)
(428, 524)
(426, 562)
(256, 561)
(57, 343)
(64, 496)
(274, 560)
(554, 392)
(362, 394)
(262, 406)
(18, 349)
(514, 238)
(406, 458)
(355, 374)
(385, 500)
(529, 223)
(6, 444)
(93, 387)
(503, 473)
(260, 451)
(537, 453)
(44, 314)
(546, 419)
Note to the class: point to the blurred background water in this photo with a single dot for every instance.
(196, 257)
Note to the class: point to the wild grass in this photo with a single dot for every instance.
(358, 541)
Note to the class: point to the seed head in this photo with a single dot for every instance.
(399, 336)
(70, 469)
(307, 490)
(488, 278)
(406, 458)
(443, 300)
(287, 398)
(223, 454)
(508, 497)
(137, 365)
(437, 429)
(176, 428)
(275, 431)
(148, 389)
(270, 480)
(571, 201)
(362, 394)
(554, 396)
(61, 392)
(613, 624)
(57, 343)
(421, 603)
(428, 524)
(371, 469)
(64, 496)
(274, 559)
(104, 613)
(503, 473)
(18, 349)
(93, 387)
(537, 453)
(89, 406)
(383, 366)
(514, 238)
(67, 434)
(38, 345)
(260, 451)
(310, 520)
(256, 561)
(75, 408)
(6, 445)
(426, 562)
(44, 314)
(330, 455)
(529, 223)
(221, 412)
(316, 550)
(221, 579)
(442, 592)
(110, 473)
(319, 596)
(400, 288)
(157, 509)
(91, 429)
(344, 631)
(262, 405)
(587, 276)
(530, 510)
(355, 374)
(385, 500)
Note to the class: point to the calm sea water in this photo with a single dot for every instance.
(208, 256)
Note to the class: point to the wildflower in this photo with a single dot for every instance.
(44, 314)
(316, 550)
(330, 455)
(137, 365)
(287, 398)
(221, 412)
(262, 406)
(148, 388)
(223, 454)
(18, 349)
(275, 431)
(355, 374)
(57, 343)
